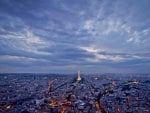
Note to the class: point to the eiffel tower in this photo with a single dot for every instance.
(79, 77)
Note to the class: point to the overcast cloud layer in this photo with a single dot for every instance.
(67, 35)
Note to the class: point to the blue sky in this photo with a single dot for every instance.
(63, 36)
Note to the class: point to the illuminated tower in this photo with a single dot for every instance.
(79, 77)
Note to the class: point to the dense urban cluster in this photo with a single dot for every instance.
(52, 93)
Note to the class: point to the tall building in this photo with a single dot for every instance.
(79, 77)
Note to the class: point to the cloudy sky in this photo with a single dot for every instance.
(63, 36)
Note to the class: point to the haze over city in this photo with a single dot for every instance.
(63, 36)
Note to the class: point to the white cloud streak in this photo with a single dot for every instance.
(19, 59)
(101, 57)
(25, 41)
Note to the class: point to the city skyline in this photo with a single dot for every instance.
(68, 35)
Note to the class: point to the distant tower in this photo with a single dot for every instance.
(79, 77)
